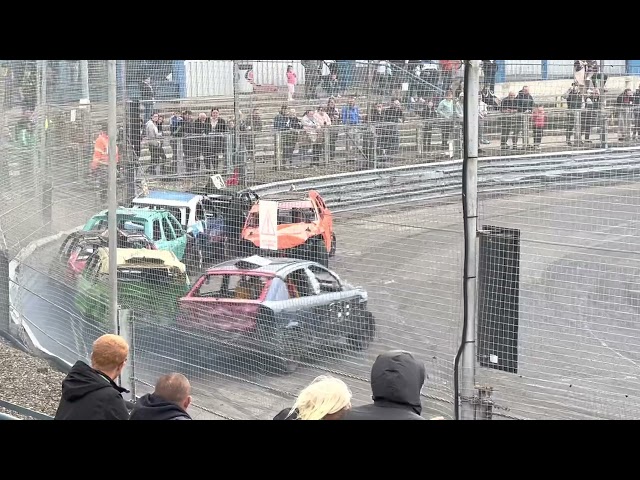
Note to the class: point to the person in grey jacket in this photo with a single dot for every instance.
(169, 400)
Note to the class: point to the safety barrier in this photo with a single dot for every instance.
(398, 185)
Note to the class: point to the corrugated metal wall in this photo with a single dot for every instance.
(206, 78)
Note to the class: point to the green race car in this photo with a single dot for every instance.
(150, 282)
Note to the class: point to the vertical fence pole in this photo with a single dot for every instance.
(84, 78)
(470, 213)
(42, 147)
(112, 200)
(5, 308)
(603, 109)
(127, 377)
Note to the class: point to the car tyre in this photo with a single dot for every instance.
(275, 359)
(318, 252)
(364, 331)
(332, 252)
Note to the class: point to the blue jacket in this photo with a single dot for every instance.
(350, 116)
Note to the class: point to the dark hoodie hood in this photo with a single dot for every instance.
(83, 380)
(397, 377)
(153, 407)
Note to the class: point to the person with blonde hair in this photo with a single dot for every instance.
(90, 392)
(326, 398)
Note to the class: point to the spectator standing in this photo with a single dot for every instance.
(448, 69)
(217, 144)
(100, 162)
(283, 126)
(427, 113)
(326, 398)
(394, 115)
(147, 97)
(351, 118)
(579, 73)
(90, 392)
(636, 112)
(448, 110)
(575, 103)
(490, 99)
(509, 108)
(312, 130)
(524, 106)
(483, 112)
(324, 120)
(489, 69)
(190, 141)
(624, 106)
(169, 401)
(374, 117)
(396, 381)
(382, 77)
(253, 125)
(332, 86)
(154, 142)
(591, 112)
(292, 80)
(539, 120)
(334, 115)
(176, 132)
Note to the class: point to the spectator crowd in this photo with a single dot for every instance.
(90, 392)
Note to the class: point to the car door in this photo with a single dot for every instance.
(180, 237)
(326, 219)
(336, 304)
(157, 235)
(307, 307)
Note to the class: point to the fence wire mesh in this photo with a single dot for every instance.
(568, 338)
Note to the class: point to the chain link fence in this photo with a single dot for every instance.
(387, 271)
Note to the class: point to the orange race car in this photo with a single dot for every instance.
(304, 230)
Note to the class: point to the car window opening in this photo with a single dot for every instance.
(236, 286)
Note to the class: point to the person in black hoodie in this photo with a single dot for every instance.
(169, 400)
(396, 381)
(89, 392)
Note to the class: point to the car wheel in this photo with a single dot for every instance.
(319, 252)
(247, 248)
(332, 252)
(364, 331)
(276, 358)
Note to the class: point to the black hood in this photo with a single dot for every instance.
(82, 380)
(397, 377)
(153, 407)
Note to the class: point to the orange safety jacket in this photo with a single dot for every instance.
(101, 152)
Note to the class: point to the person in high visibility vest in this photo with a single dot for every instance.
(100, 162)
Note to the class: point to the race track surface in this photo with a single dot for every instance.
(579, 352)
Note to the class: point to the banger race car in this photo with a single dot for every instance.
(77, 247)
(149, 284)
(281, 308)
(164, 230)
(304, 229)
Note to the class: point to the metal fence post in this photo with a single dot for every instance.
(113, 200)
(127, 377)
(467, 351)
(229, 139)
(577, 127)
(327, 145)
(420, 136)
(525, 130)
(278, 150)
(5, 308)
(375, 148)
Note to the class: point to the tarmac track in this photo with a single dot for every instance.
(579, 343)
